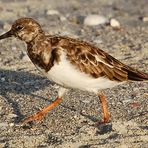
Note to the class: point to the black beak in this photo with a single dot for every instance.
(6, 35)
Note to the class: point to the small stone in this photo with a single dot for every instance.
(75, 116)
(104, 128)
(145, 94)
(52, 12)
(86, 101)
(126, 101)
(114, 23)
(92, 20)
(144, 18)
(11, 124)
(55, 86)
(3, 79)
(11, 115)
(62, 18)
(135, 89)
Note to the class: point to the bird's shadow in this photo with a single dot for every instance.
(20, 82)
(25, 83)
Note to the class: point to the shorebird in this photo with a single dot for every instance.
(71, 63)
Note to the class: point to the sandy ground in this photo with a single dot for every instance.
(23, 91)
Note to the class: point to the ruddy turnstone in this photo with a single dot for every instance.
(71, 63)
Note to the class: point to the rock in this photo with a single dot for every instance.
(52, 12)
(62, 18)
(11, 124)
(92, 20)
(86, 101)
(114, 23)
(144, 18)
(11, 115)
(3, 79)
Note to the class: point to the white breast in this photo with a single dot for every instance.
(68, 75)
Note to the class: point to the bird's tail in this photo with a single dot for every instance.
(135, 75)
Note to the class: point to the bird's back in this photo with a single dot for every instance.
(94, 61)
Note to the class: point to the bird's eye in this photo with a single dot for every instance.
(19, 27)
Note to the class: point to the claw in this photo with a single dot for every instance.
(40, 115)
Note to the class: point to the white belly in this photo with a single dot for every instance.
(67, 75)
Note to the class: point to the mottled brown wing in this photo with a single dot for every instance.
(94, 61)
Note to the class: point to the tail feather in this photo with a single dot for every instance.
(136, 75)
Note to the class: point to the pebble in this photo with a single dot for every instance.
(62, 18)
(92, 20)
(86, 101)
(75, 117)
(11, 115)
(114, 23)
(52, 12)
(3, 79)
(11, 124)
(135, 89)
(144, 18)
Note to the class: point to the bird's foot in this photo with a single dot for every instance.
(35, 117)
(105, 119)
(40, 115)
(100, 122)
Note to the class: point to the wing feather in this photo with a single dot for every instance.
(96, 62)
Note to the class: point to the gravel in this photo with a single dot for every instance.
(23, 90)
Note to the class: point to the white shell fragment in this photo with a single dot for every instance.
(52, 12)
(114, 23)
(92, 20)
(145, 19)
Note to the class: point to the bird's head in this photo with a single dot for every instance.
(26, 29)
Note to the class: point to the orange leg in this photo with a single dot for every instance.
(39, 115)
(106, 114)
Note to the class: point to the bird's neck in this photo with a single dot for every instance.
(37, 38)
